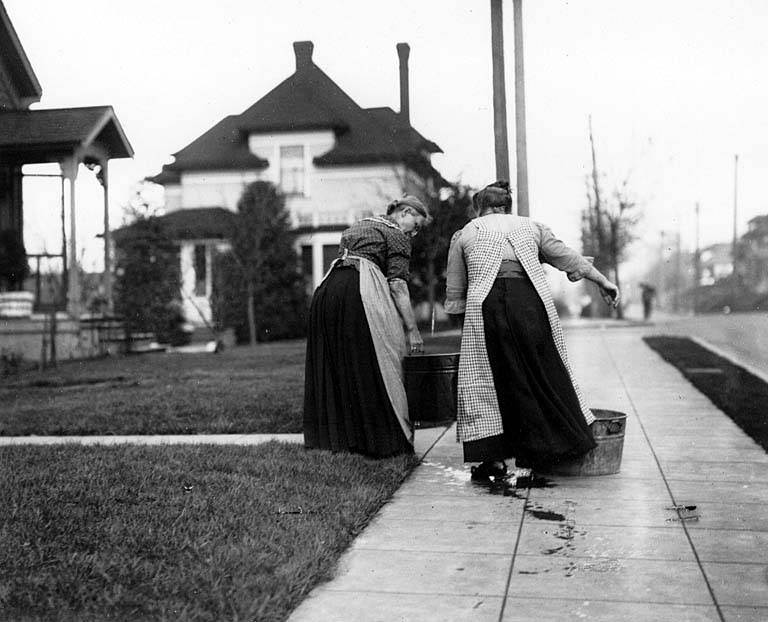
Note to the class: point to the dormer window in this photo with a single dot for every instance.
(292, 169)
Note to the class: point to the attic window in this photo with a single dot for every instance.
(292, 169)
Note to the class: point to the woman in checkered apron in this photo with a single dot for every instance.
(354, 398)
(517, 396)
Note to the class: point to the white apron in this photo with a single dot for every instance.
(386, 332)
(478, 407)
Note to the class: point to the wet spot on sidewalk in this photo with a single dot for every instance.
(545, 515)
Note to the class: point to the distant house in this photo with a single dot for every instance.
(335, 162)
(752, 265)
(716, 263)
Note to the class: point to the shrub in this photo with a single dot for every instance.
(148, 280)
(13, 260)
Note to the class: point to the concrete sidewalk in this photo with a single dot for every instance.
(604, 548)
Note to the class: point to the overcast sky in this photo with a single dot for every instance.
(675, 89)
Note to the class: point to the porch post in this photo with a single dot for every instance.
(107, 277)
(317, 262)
(69, 171)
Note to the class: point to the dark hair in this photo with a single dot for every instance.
(408, 200)
(493, 195)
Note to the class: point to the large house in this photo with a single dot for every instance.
(334, 161)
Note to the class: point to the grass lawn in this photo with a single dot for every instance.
(178, 533)
(243, 389)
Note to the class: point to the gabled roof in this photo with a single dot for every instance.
(17, 64)
(190, 224)
(308, 100)
(46, 133)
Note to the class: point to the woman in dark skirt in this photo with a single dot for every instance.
(517, 395)
(354, 397)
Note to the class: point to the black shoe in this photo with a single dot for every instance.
(489, 468)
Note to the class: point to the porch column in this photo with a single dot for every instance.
(103, 177)
(69, 172)
(317, 262)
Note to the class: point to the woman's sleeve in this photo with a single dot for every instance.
(398, 255)
(456, 277)
(556, 253)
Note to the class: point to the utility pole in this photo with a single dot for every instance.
(696, 265)
(499, 92)
(678, 270)
(520, 133)
(735, 226)
(662, 269)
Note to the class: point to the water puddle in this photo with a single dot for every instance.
(546, 515)
(685, 513)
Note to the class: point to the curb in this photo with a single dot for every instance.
(730, 358)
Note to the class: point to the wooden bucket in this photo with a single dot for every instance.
(605, 459)
(431, 386)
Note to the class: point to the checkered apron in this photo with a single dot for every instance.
(478, 407)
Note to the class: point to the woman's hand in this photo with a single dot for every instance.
(610, 293)
(415, 342)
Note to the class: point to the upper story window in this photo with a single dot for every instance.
(292, 171)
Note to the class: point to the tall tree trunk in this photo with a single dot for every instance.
(599, 261)
(251, 313)
(598, 309)
(615, 262)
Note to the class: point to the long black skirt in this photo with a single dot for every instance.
(346, 406)
(542, 420)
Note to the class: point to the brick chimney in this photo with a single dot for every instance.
(303, 51)
(403, 50)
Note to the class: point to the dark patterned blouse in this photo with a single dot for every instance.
(381, 241)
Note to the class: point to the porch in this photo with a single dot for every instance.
(44, 314)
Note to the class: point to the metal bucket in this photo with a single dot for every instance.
(431, 386)
(605, 459)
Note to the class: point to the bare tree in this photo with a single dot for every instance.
(607, 227)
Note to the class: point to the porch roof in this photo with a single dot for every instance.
(48, 135)
(199, 223)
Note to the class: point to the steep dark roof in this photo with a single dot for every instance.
(25, 131)
(223, 147)
(190, 224)
(309, 100)
(17, 63)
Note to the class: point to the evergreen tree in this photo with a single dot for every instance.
(258, 289)
(429, 256)
(148, 279)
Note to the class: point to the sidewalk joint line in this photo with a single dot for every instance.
(514, 555)
(435, 442)
(664, 477)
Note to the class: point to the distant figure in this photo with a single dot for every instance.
(648, 293)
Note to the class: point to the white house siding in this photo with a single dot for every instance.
(318, 240)
(197, 308)
(214, 188)
(267, 146)
(172, 193)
